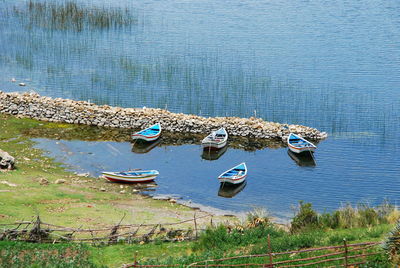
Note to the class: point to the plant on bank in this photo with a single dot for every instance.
(360, 216)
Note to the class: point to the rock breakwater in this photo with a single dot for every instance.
(34, 106)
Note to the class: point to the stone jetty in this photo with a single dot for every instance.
(32, 105)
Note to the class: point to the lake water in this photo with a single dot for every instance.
(330, 65)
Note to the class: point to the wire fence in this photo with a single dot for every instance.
(42, 232)
(346, 255)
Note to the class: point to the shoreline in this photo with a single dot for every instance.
(41, 185)
(58, 110)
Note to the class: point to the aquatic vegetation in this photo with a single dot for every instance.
(70, 15)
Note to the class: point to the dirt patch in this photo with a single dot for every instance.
(58, 201)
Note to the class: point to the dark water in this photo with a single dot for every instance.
(330, 65)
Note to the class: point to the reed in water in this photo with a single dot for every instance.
(69, 15)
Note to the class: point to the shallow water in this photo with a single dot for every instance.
(275, 181)
(334, 66)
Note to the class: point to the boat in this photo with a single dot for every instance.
(149, 134)
(303, 160)
(229, 190)
(213, 154)
(145, 147)
(234, 175)
(299, 145)
(216, 140)
(131, 176)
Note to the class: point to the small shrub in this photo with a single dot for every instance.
(306, 218)
(328, 220)
(367, 216)
(393, 216)
(258, 216)
(347, 217)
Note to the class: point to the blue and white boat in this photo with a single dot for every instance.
(216, 140)
(131, 176)
(299, 145)
(149, 134)
(234, 175)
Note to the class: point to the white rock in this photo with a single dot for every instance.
(60, 181)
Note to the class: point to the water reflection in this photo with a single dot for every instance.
(141, 147)
(213, 154)
(303, 159)
(229, 190)
(161, 62)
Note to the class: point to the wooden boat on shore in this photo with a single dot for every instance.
(149, 134)
(229, 190)
(234, 175)
(216, 140)
(131, 176)
(299, 145)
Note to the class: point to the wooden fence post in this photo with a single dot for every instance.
(346, 264)
(195, 224)
(270, 252)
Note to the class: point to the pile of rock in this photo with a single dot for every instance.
(80, 112)
(6, 160)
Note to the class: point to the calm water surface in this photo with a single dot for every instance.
(330, 65)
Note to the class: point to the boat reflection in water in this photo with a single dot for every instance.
(305, 159)
(213, 154)
(229, 190)
(142, 147)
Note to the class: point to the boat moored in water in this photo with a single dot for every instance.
(298, 144)
(149, 134)
(234, 175)
(216, 140)
(131, 176)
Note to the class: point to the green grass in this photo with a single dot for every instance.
(17, 254)
(214, 243)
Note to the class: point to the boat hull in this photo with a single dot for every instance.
(129, 179)
(234, 175)
(233, 180)
(216, 140)
(149, 134)
(299, 145)
(213, 146)
(145, 138)
(301, 150)
(148, 179)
